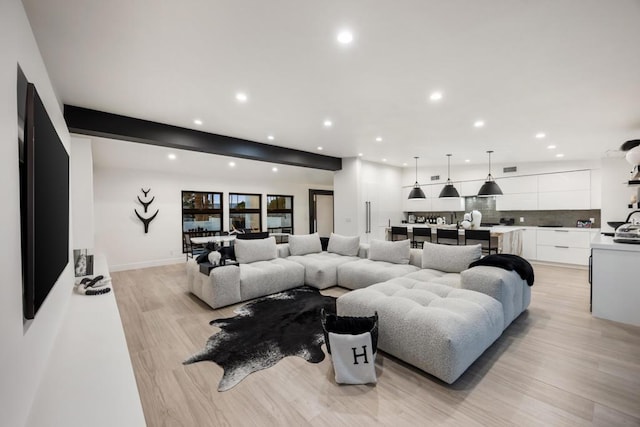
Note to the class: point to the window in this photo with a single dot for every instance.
(201, 213)
(245, 212)
(279, 214)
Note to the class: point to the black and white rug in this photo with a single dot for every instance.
(265, 331)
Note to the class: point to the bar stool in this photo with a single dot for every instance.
(449, 235)
(480, 236)
(399, 232)
(421, 233)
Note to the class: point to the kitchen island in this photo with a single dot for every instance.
(615, 292)
(509, 238)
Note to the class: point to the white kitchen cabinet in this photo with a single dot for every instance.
(517, 202)
(529, 243)
(614, 281)
(518, 184)
(557, 200)
(470, 188)
(596, 189)
(563, 245)
(564, 181)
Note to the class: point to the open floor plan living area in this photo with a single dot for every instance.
(341, 213)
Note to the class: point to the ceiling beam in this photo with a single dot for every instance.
(98, 123)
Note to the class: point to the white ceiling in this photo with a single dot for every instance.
(568, 68)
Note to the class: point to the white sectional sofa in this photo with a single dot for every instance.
(434, 312)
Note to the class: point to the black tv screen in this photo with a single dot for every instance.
(44, 189)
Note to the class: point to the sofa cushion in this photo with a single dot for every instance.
(393, 252)
(450, 259)
(428, 275)
(269, 277)
(321, 270)
(365, 272)
(344, 245)
(255, 250)
(302, 244)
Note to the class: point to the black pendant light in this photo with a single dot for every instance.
(489, 188)
(416, 191)
(449, 190)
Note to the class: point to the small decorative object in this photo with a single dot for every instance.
(472, 220)
(82, 262)
(146, 221)
(214, 257)
(583, 223)
(93, 286)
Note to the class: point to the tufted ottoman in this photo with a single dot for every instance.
(437, 328)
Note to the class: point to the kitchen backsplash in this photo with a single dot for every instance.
(487, 206)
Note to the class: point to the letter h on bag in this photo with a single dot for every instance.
(356, 355)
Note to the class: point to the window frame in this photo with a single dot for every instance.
(246, 211)
(200, 211)
(280, 211)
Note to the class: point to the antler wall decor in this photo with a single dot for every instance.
(146, 221)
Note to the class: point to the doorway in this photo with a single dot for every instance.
(321, 212)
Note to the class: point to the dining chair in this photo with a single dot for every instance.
(401, 232)
(472, 237)
(450, 236)
(421, 235)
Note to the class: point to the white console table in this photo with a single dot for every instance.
(89, 379)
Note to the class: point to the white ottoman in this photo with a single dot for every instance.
(437, 328)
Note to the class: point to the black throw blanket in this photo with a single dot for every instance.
(508, 262)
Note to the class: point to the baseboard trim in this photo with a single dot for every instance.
(147, 264)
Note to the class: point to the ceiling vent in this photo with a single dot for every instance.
(510, 169)
(435, 178)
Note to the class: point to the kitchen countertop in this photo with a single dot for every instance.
(502, 228)
(606, 242)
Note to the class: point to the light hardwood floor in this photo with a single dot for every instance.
(555, 365)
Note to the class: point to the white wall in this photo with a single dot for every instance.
(346, 198)
(25, 347)
(119, 234)
(81, 177)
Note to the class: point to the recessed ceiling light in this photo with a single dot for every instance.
(540, 135)
(384, 160)
(241, 97)
(404, 164)
(478, 123)
(271, 137)
(467, 160)
(319, 148)
(274, 169)
(360, 154)
(435, 96)
(171, 156)
(378, 139)
(551, 147)
(232, 164)
(559, 155)
(345, 37)
(197, 122)
(327, 123)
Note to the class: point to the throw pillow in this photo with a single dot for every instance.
(302, 244)
(344, 245)
(394, 252)
(255, 250)
(450, 259)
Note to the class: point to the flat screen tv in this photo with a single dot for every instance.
(44, 199)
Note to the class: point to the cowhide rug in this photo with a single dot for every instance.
(265, 331)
